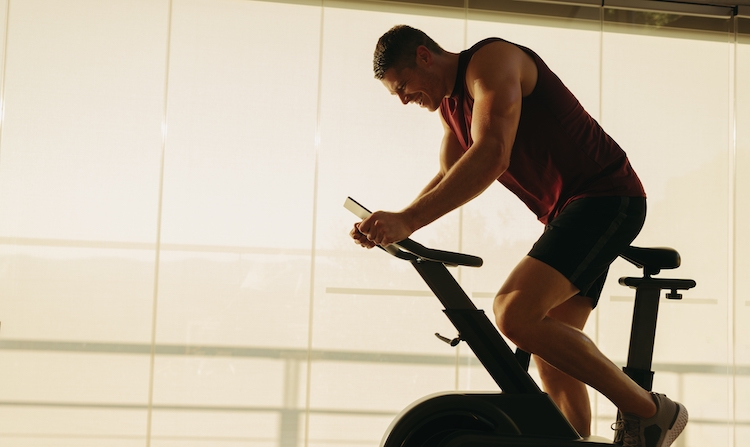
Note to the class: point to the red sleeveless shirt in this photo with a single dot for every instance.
(560, 152)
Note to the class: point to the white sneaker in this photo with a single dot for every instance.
(658, 431)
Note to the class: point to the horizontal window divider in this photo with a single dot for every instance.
(672, 8)
(299, 354)
(70, 436)
(590, 3)
(245, 409)
(377, 292)
(664, 299)
(196, 408)
(628, 298)
(125, 245)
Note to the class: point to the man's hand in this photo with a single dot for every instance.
(360, 237)
(381, 228)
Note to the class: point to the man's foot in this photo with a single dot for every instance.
(619, 427)
(657, 431)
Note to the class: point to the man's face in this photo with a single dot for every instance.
(413, 85)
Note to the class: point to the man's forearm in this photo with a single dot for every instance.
(430, 186)
(468, 178)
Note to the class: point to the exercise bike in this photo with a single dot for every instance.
(522, 415)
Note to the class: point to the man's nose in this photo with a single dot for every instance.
(404, 98)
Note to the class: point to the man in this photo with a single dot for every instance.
(508, 118)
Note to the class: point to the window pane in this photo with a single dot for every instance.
(382, 153)
(665, 99)
(742, 236)
(79, 188)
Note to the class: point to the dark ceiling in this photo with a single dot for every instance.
(715, 2)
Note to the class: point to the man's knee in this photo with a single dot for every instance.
(514, 319)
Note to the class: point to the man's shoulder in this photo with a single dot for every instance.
(503, 59)
(498, 52)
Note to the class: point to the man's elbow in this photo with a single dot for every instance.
(499, 160)
(502, 164)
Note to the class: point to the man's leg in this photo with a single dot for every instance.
(568, 393)
(521, 307)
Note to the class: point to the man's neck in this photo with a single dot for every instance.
(450, 68)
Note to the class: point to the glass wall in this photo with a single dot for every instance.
(175, 268)
(666, 95)
(741, 256)
(234, 272)
(371, 335)
(80, 161)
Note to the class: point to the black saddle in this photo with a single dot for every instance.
(652, 260)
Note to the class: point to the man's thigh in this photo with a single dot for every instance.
(532, 289)
(574, 312)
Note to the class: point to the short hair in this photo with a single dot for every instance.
(397, 48)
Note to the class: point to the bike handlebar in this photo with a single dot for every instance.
(413, 251)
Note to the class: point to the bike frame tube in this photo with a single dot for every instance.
(477, 330)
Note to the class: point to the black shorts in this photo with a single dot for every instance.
(587, 236)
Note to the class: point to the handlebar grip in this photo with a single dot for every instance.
(411, 250)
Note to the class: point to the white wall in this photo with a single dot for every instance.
(174, 262)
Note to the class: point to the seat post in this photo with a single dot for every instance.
(646, 308)
(643, 329)
(642, 335)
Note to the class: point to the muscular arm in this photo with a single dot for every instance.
(496, 79)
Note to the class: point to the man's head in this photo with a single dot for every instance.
(397, 49)
(406, 61)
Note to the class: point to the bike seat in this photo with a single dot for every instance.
(652, 259)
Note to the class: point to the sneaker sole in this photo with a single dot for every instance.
(681, 420)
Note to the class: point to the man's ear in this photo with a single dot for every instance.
(424, 56)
